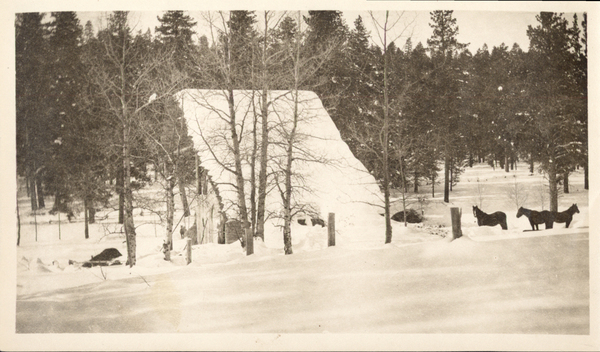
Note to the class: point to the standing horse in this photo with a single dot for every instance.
(493, 219)
(565, 216)
(537, 217)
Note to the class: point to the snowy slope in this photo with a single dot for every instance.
(464, 286)
(532, 287)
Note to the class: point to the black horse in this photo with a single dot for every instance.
(537, 217)
(493, 219)
(565, 216)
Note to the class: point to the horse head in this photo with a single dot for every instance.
(520, 212)
(475, 208)
(575, 208)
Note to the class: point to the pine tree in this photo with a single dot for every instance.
(240, 46)
(327, 30)
(34, 136)
(445, 89)
(176, 30)
(424, 152)
(552, 103)
(356, 104)
(66, 82)
(580, 65)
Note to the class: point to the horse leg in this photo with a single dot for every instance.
(503, 222)
(533, 225)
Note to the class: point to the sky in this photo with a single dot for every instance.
(475, 27)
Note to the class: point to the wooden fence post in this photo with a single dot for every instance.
(456, 213)
(331, 230)
(249, 242)
(211, 227)
(188, 250)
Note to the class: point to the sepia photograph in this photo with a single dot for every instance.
(364, 175)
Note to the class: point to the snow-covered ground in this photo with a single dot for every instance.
(522, 285)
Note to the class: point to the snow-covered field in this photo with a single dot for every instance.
(420, 291)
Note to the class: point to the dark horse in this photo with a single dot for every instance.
(537, 217)
(493, 219)
(565, 216)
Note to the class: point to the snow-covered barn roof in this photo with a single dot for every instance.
(328, 176)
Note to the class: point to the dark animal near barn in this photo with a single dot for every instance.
(106, 257)
(566, 216)
(537, 217)
(412, 216)
(484, 219)
(313, 221)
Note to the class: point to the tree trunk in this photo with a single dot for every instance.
(566, 182)
(128, 201)
(386, 122)
(57, 202)
(183, 196)
(18, 225)
(170, 211)
(243, 211)
(446, 178)
(264, 142)
(32, 193)
(531, 164)
(287, 200)
(553, 185)
(253, 206)
(40, 192)
(85, 218)
(121, 192)
(451, 173)
(416, 186)
(262, 174)
(92, 213)
(404, 191)
(586, 182)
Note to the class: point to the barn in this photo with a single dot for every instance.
(327, 178)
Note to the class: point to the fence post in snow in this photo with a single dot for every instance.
(456, 213)
(188, 250)
(249, 242)
(331, 230)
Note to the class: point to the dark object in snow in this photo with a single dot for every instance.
(191, 233)
(412, 216)
(105, 258)
(566, 216)
(313, 221)
(182, 231)
(234, 232)
(537, 217)
(483, 219)
(107, 254)
(317, 221)
(166, 250)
